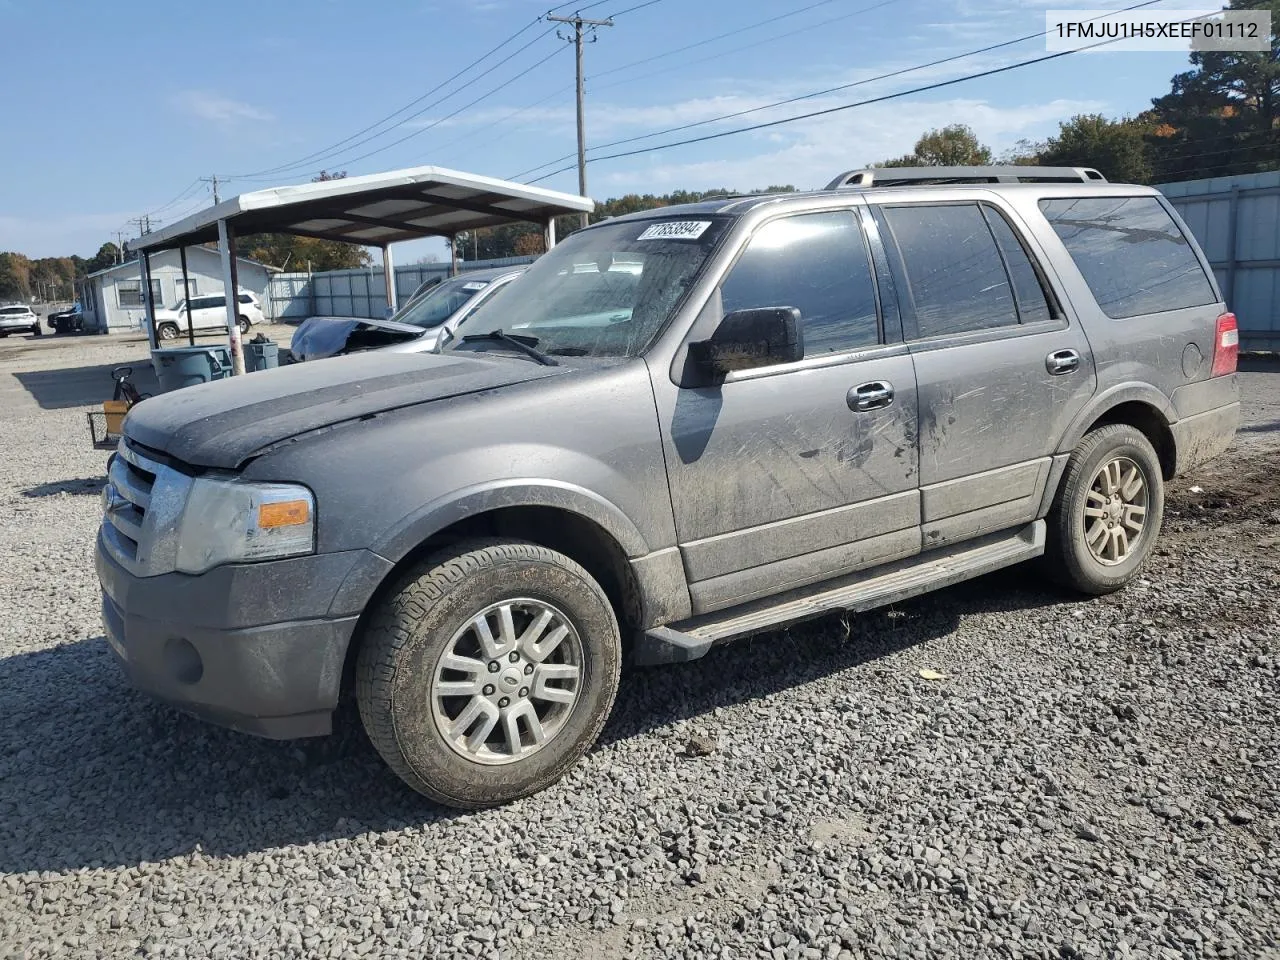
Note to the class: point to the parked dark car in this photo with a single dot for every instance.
(67, 321)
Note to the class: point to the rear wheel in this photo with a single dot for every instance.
(488, 672)
(167, 331)
(1107, 515)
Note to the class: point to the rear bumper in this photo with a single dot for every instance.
(278, 679)
(1205, 435)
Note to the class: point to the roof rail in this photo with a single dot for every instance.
(920, 176)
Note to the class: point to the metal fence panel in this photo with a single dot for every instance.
(1237, 222)
(358, 293)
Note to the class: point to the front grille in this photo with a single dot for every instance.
(142, 505)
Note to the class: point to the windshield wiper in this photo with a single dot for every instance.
(526, 345)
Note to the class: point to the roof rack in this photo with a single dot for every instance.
(921, 176)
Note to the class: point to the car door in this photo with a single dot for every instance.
(1000, 366)
(212, 313)
(786, 475)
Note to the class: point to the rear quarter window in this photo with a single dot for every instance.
(1131, 253)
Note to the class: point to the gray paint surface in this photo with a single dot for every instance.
(770, 483)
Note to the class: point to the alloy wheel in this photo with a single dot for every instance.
(507, 682)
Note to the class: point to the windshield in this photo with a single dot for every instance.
(604, 292)
(440, 303)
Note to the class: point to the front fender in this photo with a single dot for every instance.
(481, 498)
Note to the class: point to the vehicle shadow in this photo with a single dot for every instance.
(63, 387)
(95, 775)
(85, 486)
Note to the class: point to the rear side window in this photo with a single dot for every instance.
(956, 279)
(817, 263)
(1131, 254)
(1033, 305)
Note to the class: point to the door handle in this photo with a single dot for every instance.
(1062, 361)
(875, 395)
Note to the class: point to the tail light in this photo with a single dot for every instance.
(1226, 346)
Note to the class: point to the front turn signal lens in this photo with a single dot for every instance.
(286, 513)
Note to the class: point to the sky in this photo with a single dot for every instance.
(112, 112)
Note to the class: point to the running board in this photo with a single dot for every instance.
(691, 639)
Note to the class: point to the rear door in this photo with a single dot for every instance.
(791, 474)
(210, 313)
(1001, 367)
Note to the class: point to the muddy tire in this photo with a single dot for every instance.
(488, 671)
(1107, 514)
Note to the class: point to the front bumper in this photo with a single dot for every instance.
(253, 647)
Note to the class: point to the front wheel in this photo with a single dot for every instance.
(488, 671)
(1107, 515)
(167, 331)
(244, 325)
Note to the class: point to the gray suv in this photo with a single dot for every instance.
(691, 424)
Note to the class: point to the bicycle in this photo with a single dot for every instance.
(124, 389)
(107, 426)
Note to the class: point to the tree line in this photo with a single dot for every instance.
(1220, 118)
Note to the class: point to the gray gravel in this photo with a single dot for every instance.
(1091, 779)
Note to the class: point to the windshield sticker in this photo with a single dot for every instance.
(676, 230)
(474, 286)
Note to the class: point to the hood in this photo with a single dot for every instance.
(319, 337)
(224, 423)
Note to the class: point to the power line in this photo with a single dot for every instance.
(465, 106)
(845, 106)
(817, 93)
(719, 36)
(831, 110)
(723, 53)
(341, 147)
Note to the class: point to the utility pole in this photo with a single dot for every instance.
(214, 181)
(119, 246)
(578, 23)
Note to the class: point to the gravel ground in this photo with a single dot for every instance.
(1091, 779)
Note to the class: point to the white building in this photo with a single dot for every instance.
(112, 298)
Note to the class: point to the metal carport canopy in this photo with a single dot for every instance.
(376, 209)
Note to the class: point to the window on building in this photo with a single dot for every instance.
(1131, 254)
(817, 263)
(956, 280)
(130, 294)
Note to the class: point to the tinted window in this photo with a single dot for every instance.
(817, 263)
(215, 302)
(955, 278)
(245, 298)
(1033, 305)
(1131, 253)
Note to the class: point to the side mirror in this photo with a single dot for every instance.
(745, 339)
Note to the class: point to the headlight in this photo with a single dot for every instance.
(228, 522)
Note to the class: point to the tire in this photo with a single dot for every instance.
(244, 325)
(167, 331)
(1103, 568)
(428, 615)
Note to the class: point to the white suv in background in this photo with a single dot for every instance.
(207, 313)
(17, 318)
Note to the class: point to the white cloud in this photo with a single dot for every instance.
(810, 152)
(215, 108)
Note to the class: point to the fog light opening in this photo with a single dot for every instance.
(183, 662)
